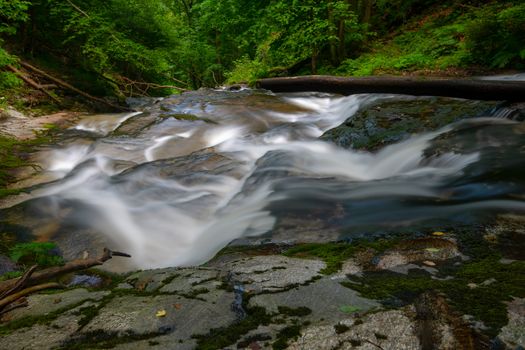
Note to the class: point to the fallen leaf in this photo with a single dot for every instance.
(177, 306)
(438, 233)
(429, 263)
(161, 313)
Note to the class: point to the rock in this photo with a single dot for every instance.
(137, 315)
(388, 329)
(350, 267)
(439, 327)
(10, 112)
(85, 280)
(513, 334)
(389, 121)
(428, 249)
(273, 272)
(324, 298)
(42, 304)
(6, 264)
(42, 336)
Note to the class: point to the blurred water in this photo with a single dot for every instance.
(174, 190)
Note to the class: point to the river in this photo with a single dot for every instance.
(187, 175)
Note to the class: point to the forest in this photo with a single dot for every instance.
(126, 48)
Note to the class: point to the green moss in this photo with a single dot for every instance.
(219, 338)
(485, 302)
(88, 313)
(334, 254)
(285, 335)
(297, 312)
(40, 319)
(341, 328)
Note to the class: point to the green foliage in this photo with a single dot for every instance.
(247, 71)
(497, 38)
(38, 253)
(12, 12)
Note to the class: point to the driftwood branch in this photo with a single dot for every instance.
(13, 297)
(53, 272)
(33, 83)
(20, 282)
(71, 87)
(461, 88)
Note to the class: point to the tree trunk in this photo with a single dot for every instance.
(461, 88)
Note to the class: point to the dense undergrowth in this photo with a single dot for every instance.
(123, 48)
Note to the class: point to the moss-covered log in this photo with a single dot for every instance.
(462, 88)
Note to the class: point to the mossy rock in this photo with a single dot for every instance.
(388, 122)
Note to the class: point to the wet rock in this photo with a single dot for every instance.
(386, 329)
(85, 280)
(387, 122)
(273, 272)
(6, 265)
(350, 267)
(43, 336)
(429, 249)
(439, 327)
(513, 334)
(325, 298)
(42, 304)
(184, 317)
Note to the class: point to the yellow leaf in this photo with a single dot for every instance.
(161, 313)
(438, 233)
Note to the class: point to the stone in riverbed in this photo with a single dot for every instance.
(324, 298)
(390, 121)
(273, 272)
(388, 329)
(42, 304)
(513, 334)
(184, 317)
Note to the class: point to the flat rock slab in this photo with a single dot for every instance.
(44, 336)
(183, 318)
(326, 298)
(42, 304)
(273, 272)
(386, 329)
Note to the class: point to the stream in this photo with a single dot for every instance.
(187, 175)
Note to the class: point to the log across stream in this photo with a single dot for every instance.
(477, 89)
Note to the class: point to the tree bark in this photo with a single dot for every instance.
(461, 88)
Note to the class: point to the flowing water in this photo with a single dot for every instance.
(174, 184)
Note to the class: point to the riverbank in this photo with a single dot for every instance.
(454, 289)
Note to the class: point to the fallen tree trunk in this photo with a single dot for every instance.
(461, 88)
(33, 83)
(71, 87)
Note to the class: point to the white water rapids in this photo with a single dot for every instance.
(174, 192)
